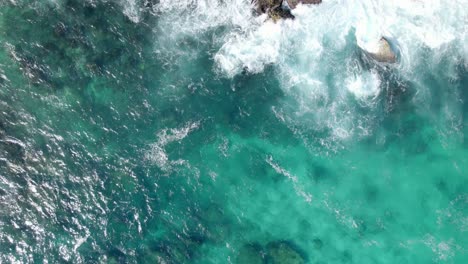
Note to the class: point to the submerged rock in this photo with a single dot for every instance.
(168, 253)
(284, 253)
(12, 150)
(293, 3)
(216, 223)
(384, 52)
(250, 253)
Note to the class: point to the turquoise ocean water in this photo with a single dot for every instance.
(193, 131)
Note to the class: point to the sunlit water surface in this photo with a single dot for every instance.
(189, 131)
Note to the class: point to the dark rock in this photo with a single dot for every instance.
(281, 12)
(274, 9)
(293, 3)
(263, 6)
(251, 254)
(150, 3)
(283, 252)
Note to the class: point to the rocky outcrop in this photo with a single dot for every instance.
(384, 53)
(264, 6)
(293, 3)
(276, 8)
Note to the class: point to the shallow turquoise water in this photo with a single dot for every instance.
(133, 132)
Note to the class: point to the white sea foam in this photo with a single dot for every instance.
(157, 152)
(258, 48)
(292, 178)
(315, 54)
(408, 24)
(196, 16)
(132, 10)
(363, 85)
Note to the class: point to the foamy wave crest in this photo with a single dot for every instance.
(186, 26)
(132, 10)
(318, 55)
(252, 52)
(321, 67)
(364, 85)
(197, 16)
(409, 25)
(157, 153)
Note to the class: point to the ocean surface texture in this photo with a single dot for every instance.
(196, 131)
